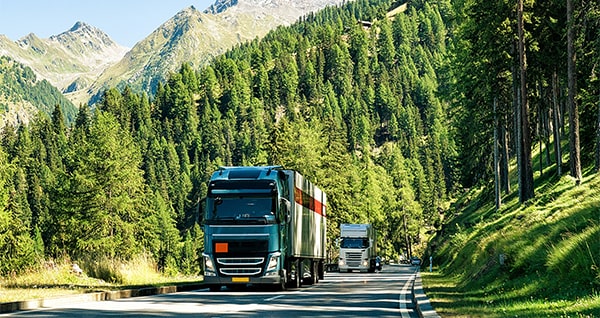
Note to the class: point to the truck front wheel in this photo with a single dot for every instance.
(294, 274)
(283, 283)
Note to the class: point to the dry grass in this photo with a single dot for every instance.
(58, 279)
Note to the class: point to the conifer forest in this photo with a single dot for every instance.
(392, 108)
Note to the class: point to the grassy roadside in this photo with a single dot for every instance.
(540, 259)
(505, 299)
(58, 279)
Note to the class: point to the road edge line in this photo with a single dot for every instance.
(423, 306)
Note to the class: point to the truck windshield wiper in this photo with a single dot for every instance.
(253, 219)
(239, 220)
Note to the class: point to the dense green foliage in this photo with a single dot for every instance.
(539, 258)
(352, 108)
(19, 83)
(390, 114)
(485, 68)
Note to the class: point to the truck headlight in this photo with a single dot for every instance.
(341, 262)
(365, 263)
(273, 261)
(209, 267)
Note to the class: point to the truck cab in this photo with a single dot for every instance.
(357, 248)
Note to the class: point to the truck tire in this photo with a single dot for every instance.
(282, 286)
(294, 274)
(313, 274)
(321, 270)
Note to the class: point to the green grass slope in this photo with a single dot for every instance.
(539, 259)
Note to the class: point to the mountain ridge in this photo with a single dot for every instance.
(202, 36)
(78, 54)
(83, 61)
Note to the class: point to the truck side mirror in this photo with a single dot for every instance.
(286, 206)
(201, 209)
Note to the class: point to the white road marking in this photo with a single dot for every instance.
(273, 298)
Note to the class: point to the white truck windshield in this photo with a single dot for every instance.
(352, 242)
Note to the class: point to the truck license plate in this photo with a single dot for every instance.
(240, 279)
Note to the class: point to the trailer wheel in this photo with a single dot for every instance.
(299, 273)
(321, 270)
(313, 278)
(315, 272)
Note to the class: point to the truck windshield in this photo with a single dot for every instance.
(354, 242)
(242, 208)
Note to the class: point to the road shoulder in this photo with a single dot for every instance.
(422, 304)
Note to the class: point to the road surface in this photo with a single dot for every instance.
(383, 294)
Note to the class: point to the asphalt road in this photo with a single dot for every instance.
(383, 294)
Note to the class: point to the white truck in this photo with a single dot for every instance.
(358, 248)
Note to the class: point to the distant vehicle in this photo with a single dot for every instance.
(358, 248)
(415, 261)
(378, 264)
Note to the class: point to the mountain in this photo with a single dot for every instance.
(83, 61)
(196, 37)
(68, 60)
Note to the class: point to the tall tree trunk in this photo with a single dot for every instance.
(539, 135)
(517, 119)
(526, 175)
(496, 157)
(407, 237)
(547, 136)
(575, 157)
(545, 123)
(557, 121)
(598, 139)
(504, 161)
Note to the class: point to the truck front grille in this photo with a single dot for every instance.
(242, 258)
(234, 271)
(240, 261)
(353, 259)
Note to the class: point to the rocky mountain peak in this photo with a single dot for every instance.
(220, 6)
(80, 26)
(85, 38)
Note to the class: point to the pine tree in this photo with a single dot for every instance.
(103, 195)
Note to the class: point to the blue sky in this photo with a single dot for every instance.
(125, 21)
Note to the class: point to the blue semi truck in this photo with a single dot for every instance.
(263, 226)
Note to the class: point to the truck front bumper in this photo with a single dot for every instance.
(242, 280)
(345, 268)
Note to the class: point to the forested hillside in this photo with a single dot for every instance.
(20, 87)
(524, 237)
(348, 97)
